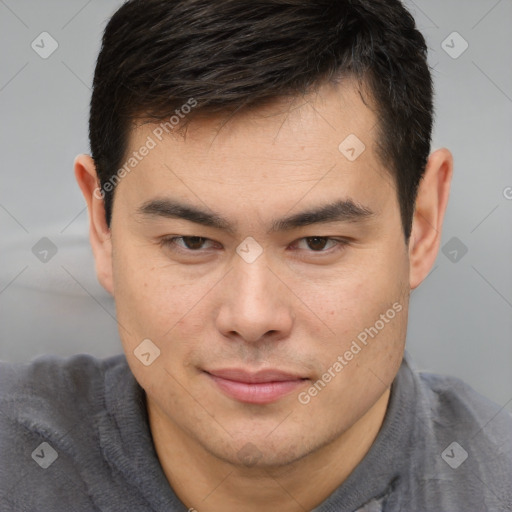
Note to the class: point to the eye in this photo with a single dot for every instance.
(190, 243)
(318, 243)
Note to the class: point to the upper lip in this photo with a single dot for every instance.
(240, 375)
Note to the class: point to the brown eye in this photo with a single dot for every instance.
(185, 243)
(318, 244)
(193, 242)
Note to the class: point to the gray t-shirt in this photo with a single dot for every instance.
(74, 436)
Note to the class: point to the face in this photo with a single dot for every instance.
(274, 338)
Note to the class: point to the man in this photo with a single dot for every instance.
(262, 200)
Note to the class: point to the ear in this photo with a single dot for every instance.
(99, 232)
(431, 203)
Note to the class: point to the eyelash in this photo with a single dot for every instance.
(170, 242)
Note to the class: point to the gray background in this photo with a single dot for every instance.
(461, 316)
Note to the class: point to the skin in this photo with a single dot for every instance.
(295, 308)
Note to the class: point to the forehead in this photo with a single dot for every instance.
(320, 141)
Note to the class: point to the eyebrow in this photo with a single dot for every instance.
(345, 210)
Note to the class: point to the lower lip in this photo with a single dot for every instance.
(258, 392)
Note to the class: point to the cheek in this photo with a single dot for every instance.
(366, 309)
(151, 305)
(143, 300)
(155, 301)
(357, 298)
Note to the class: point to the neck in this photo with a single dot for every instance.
(206, 483)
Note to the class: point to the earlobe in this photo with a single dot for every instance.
(431, 203)
(99, 232)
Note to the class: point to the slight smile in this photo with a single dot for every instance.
(262, 387)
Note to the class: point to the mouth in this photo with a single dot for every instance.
(260, 387)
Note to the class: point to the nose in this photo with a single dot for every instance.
(256, 304)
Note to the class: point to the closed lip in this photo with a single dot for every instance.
(255, 377)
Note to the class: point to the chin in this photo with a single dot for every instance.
(262, 450)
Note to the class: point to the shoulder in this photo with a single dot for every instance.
(36, 369)
(466, 444)
(454, 403)
(53, 379)
(50, 395)
(448, 402)
(52, 410)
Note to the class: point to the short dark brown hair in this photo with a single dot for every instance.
(231, 55)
